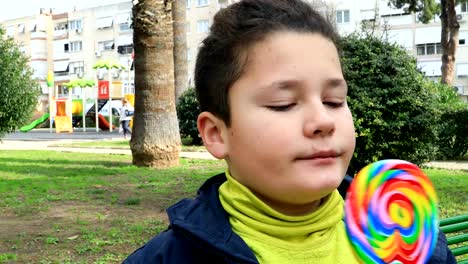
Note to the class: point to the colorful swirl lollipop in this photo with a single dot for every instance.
(391, 213)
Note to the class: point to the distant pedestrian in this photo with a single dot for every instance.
(126, 113)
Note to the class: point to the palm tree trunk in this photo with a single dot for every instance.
(449, 40)
(155, 141)
(180, 47)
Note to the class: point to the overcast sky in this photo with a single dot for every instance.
(21, 8)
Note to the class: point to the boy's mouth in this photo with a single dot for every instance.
(324, 154)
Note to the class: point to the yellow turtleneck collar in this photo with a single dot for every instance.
(317, 237)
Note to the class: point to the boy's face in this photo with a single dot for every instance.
(291, 135)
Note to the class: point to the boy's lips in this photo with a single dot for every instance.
(323, 154)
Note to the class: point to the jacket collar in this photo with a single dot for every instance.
(204, 220)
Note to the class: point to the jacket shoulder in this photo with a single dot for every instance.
(442, 253)
(173, 246)
(154, 251)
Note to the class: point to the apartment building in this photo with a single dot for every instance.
(70, 43)
(200, 15)
(421, 40)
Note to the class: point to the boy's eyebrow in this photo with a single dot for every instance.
(337, 82)
(280, 84)
(291, 83)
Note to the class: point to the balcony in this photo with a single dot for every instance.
(62, 33)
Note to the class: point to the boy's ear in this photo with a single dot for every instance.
(212, 131)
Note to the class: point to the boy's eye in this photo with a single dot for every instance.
(334, 104)
(281, 108)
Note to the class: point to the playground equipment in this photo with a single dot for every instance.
(35, 123)
(62, 114)
(67, 113)
(109, 65)
(82, 83)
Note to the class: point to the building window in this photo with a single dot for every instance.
(202, 2)
(32, 27)
(124, 27)
(428, 49)
(106, 45)
(202, 26)
(76, 46)
(464, 7)
(21, 28)
(126, 49)
(123, 20)
(76, 67)
(61, 26)
(75, 24)
(188, 4)
(421, 50)
(10, 31)
(438, 48)
(104, 22)
(461, 42)
(342, 16)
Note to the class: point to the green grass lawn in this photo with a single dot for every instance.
(60, 207)
(117, 144)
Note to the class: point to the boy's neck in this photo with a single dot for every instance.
(292, 210)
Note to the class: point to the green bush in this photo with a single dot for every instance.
(452, 139)
(18, 91)
(394, 111)
(452, 124)
(187, 113)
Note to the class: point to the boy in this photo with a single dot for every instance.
(273, 100)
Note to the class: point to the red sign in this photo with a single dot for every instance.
(103, 89)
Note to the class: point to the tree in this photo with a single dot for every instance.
(179, 11)
(188, 111)
(427, 9)
(18, 91)
(155, 141)
(394, 110)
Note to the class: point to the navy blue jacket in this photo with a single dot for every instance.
(199, 232)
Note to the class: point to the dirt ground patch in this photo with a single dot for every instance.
(77, 232)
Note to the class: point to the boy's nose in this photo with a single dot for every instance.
(318, 122)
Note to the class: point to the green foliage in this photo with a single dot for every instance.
(394, 111)
(452, 121)
(18, 91)
(187, 112)
(445, 96)
(427, 8)
(452, 140)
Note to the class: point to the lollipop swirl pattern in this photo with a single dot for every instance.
(391, 213)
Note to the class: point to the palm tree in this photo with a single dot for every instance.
(155, 141)
(179, 11)
(108, 65)
(82, 83)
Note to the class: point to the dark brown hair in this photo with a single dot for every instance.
(223, 53)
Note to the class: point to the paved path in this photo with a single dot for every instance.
(451, 165)
(42, 139)
(48, 145)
